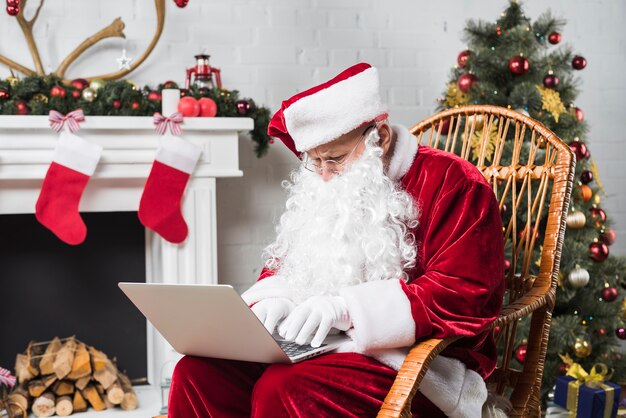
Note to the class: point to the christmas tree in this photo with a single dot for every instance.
(521, 65)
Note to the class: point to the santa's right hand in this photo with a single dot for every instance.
(271, 311)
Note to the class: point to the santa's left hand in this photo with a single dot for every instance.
(314, 318)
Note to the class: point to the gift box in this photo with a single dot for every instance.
(587, 400)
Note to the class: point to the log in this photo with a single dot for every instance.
(81, 366)
(79, 404)
(82, 382)
(93, 397)
(22, 372)
(44, 406)
(38, 386)
(47, 361)
(115, 394)
(34, 353)
(99, 360)
(130, 398)
(18, 401)
(63, 387)
(65, 358)
(64, 406)
(107, 375)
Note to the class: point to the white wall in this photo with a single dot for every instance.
(270, 49)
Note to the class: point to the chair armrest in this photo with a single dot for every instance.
(397, 403)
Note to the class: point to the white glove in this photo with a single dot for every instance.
(314, 318)
(271, 311)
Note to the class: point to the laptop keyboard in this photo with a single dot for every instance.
(292, 349)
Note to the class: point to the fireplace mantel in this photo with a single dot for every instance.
(129, 147)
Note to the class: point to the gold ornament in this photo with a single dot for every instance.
(559, 280)
(480, 121)
(455, 97)
(40, 98)
(12, 81)
(476, 141)
(96, 84)
(582, 347)
(596, 176)
(89, 94)
(578, 278)
(551, 101)
(597, 199)
(576, 219)
(133, 85)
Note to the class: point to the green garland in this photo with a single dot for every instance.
(121, 98)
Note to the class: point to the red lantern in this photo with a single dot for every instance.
(554, 38)
(466, 81)
(519, 65)
(579, 62)
(462, 58)
(598, 251)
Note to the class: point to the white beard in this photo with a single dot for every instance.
(354, 228)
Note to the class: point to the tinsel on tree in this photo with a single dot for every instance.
(522, 65)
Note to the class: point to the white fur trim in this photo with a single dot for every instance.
(77, 154)
(329, 113)
(457, 391)
(404, 153)
(270, 287)
(381, 315)
(178, 153)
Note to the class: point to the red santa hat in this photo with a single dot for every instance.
(323, 113)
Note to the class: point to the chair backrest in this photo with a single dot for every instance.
(531, 171)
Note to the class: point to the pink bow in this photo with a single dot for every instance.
(174, 121)
(6, 378)
(57, 120)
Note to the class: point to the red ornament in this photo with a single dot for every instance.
(117, 104)
(208, 107)
(621, 333)
(13, 10)
(579, 148)
(550, 81)
(586, 177)
(170, 85)
(57, 91)
(4, 95)
(519, 65)
(154, 96)
(243, 106)
(466, 81)
(80, 83)
(181, 3)
(444, 125)
(601, 332)
(189, 107)
(554, 38)
(608, 236)
(135, 105)
(13, 2)
(563, 368)
(184, 93)
(580, 116)
(76, 94)
(520, 353)
(507, 265)
(504, 209)
(21, 108)
(598, 251)
(598, 215)
(579, 62)
(462, 58)
(609, 294)
(271, 140)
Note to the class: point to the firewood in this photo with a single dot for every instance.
(47, 361)
(21, 368)
(106, 376)
(93, 397)
(81, 366)
(34, 354)
(64, 406)
(18, 401)
(130, 398)
(79, 404)
(44, 406)
(38, 386)
(82, 382)
(64, 359)
(63, 387)
(99, 360)
(115, 394)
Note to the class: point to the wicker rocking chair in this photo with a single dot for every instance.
(536, 168)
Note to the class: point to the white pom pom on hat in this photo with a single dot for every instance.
(323, 113)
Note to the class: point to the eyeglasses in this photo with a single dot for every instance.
(333, 166)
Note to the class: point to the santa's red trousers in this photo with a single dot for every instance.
(331, 385)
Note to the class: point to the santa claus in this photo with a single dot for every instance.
(381, 239)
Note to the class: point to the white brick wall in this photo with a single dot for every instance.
(270, 49)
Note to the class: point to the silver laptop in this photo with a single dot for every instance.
(214, 321)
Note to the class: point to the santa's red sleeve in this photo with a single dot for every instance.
(457, 286)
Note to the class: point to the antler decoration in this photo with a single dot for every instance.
(115, 29)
